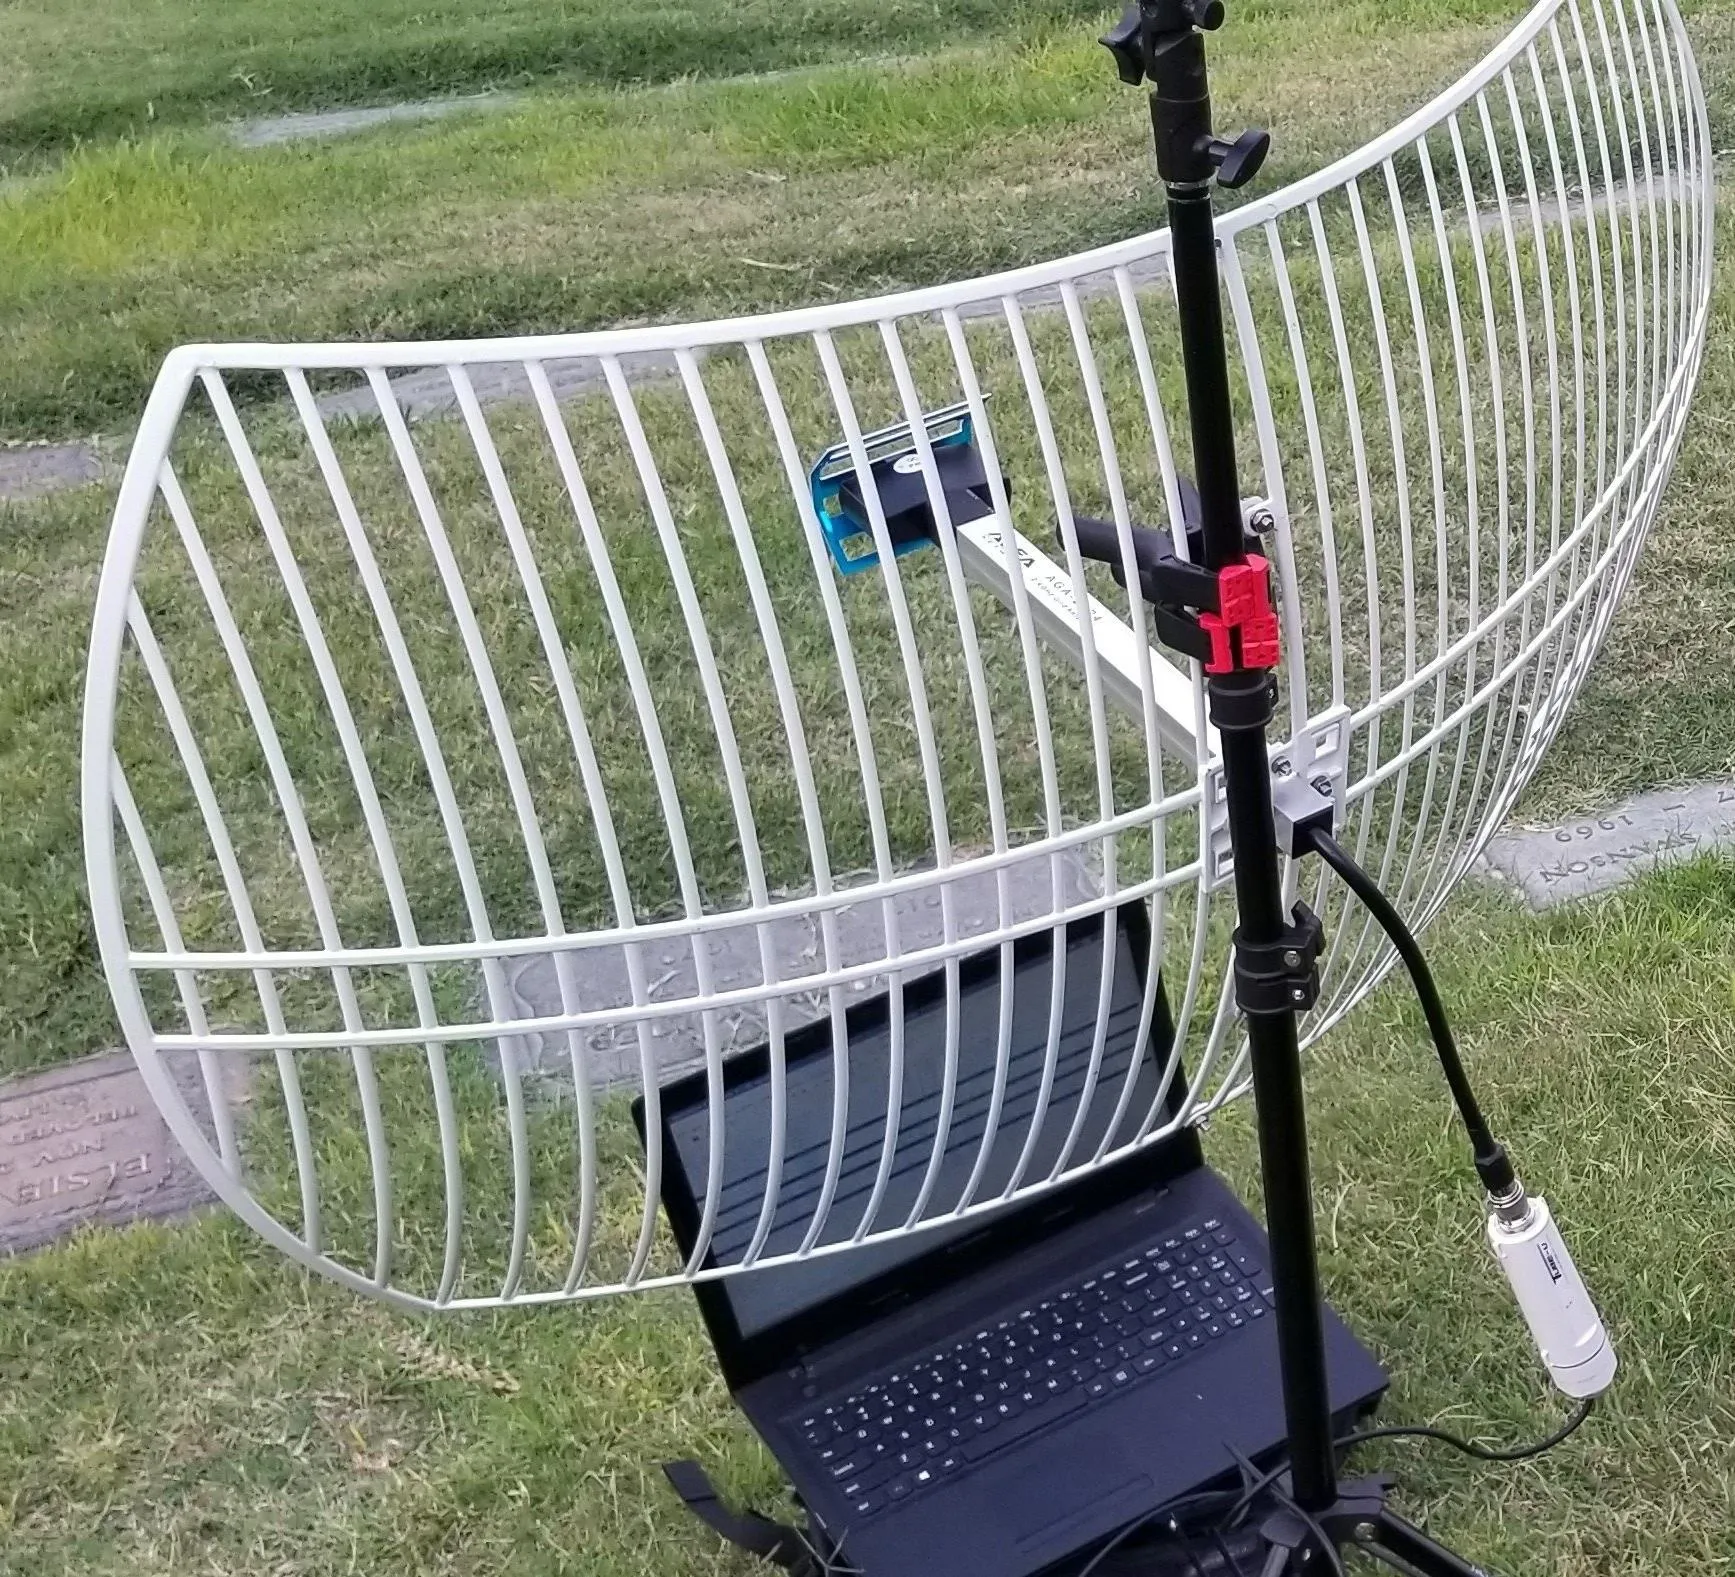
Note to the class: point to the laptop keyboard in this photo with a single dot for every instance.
(1112, 1328)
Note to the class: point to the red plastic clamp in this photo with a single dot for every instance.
(1244, 604)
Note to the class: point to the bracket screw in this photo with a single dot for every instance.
(1292, 959)
(1322, 785)
(1365, 1532)
(1298, 996)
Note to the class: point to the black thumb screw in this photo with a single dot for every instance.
(1239, 161)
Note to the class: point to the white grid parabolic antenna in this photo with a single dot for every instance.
(477, 730)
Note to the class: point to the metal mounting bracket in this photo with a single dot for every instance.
(1309, 775)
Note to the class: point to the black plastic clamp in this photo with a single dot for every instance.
(1281, 976)
(1223, 618)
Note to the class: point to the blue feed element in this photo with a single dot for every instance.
(891, 455)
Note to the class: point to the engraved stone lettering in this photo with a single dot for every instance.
(1585, 854)
(85, 1143)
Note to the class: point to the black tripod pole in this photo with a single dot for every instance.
(1217, 608)
(1163, 40)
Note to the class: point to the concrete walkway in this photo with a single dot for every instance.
(315, 125)
(34, 470)
(31, 470)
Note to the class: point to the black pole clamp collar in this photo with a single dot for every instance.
(1281, 976)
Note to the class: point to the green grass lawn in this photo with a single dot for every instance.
(842, 183)
(176, 1399)
(70, 73)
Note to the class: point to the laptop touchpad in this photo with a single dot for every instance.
(1043, 1502)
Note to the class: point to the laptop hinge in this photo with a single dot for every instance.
(775, 1542)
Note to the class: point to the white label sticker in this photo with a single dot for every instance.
(907, 464)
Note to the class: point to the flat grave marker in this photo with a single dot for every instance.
(85, 1143)
(1592, 853)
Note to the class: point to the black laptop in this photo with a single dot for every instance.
(990, 1397)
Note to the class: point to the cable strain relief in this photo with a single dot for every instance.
(1499, 1176)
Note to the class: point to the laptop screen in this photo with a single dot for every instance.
(1053, 1111)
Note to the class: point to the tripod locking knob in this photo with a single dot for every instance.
(1125, 41)
(1239, 161)
(1146, 29)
